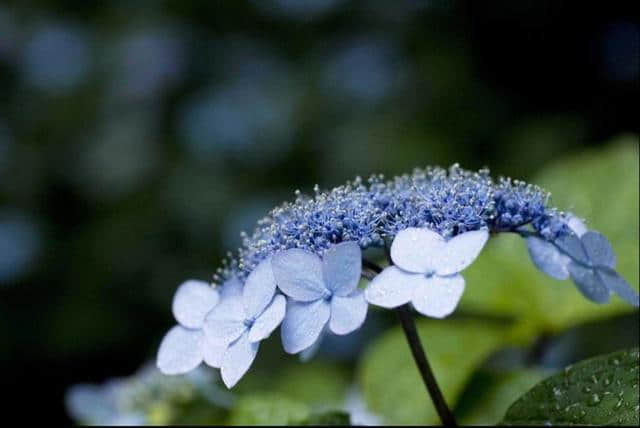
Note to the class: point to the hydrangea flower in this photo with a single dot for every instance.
(426, 271)
(185, 346)
(322, 291)
(241, 321)
(586, 256)
(302, 264)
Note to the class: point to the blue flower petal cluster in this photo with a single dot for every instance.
(301, 266)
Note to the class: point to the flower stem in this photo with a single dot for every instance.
(419, 356)
(409, 327)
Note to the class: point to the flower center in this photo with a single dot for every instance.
(327, 295)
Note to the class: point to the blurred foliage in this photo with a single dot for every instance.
(268, 409)
(277, 409)
(151, 398)
(489, 394)
(601, 186)
(389, 376)
(597, 391)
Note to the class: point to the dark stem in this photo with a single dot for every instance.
(411, 333)
(409, 327)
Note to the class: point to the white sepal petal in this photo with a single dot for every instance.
(347, 313)
(460, 251)
(180, 351)
(438, 296)
(392, 287)
(342, 267)
(259, 289)
(269, 320)
(192, 301)
(237, 360)
(298, 274)
(303, 323)
(416, 249)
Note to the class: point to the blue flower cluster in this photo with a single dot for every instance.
(449, 202)
(301, 267)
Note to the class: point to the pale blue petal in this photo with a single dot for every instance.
(548, 258)
(231, 288)
(416, 249)
(619, 285)
(303, 323)
(225, 322)
(578, 227)
(237, 360)
(192, 301)
(347, 313)
(342, 266)
(212, 351)
(298, 273)
(438, 296)
(589, 284)
(572, 246)
(460, 251)
(312, 350)
(392, 287)
(269, 320)
(259, 289)
(598, 249)
(180, 351)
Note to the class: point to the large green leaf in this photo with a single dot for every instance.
(600, 186)
(391, 383)
(597, 391)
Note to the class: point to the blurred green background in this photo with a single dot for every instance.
(138, 138)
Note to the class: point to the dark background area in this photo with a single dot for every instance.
(138, 138)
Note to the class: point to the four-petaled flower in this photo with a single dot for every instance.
(587, 257)
(426, 271)
(242, 320)
(185, 346)
(321, 291)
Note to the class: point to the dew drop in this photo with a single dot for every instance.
(595, 400)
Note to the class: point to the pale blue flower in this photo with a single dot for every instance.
(242, 320)
(585, 256)
(322, 291)
(185, 346)
(426, 271)
(548, 258)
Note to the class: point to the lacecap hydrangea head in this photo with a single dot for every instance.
(300, 268)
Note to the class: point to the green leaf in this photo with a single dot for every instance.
(597, 391)
(600, 186)
(489, 395)
(391, 383)
(268, 409)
